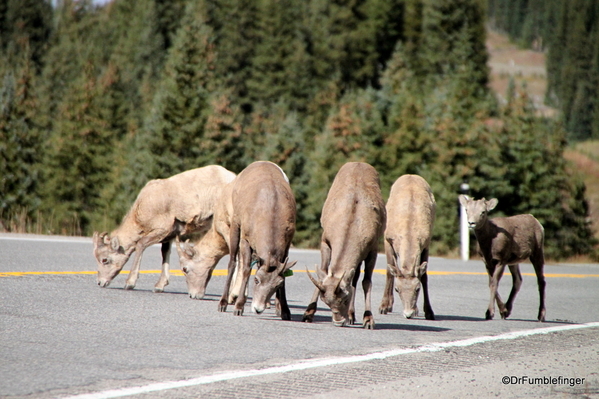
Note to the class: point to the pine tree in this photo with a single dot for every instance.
(540, 180)
(281, 64)
(79, 164)
(25, 27)
(20, 143)
(235, 25)
(353, 132)
(174, 128)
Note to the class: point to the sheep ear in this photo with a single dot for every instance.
(463, 199)
(115, 244)
(492, 203)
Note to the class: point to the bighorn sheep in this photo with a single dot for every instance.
(353, 219)
(506, 241)
(198, 257)
(164, 208)
(410, 218)
(262, 227)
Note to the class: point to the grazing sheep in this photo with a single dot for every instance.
(506, 241)
(353, 219)
(262, 225)
(164, 208)
(410, 218)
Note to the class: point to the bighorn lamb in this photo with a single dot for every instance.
(164, 208)
(410, 218)
(506, 241)
(353, 219)
(262, 226)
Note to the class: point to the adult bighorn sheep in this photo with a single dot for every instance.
(353, 219)
(262, 227)
(410, 218)
(164, 208)
(506, 241)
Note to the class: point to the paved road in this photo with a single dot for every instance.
(61, 335)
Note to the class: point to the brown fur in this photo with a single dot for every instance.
(262, 227)
(411, 215)
(507, 241)
(164, 208)
(353, 219)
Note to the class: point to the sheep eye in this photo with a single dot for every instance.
(104, 261)
(256, 281)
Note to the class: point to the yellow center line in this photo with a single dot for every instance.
(223, 272)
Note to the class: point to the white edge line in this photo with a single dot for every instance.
(324, 362)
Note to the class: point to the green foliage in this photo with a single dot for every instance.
(81, 148)
(108, 97)
(20, 142)
(174, 127)
(25, 26)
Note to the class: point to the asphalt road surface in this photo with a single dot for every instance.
(63, 336)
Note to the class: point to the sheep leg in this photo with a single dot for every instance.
(387, 302)
(308, 316)
(325, 260)
(134, 273)
(233, 249)
(164, 274)
(281, 303)
(538, 264)
(245, 269)
(516, 284)
(369, 263)
(495, 272)
(428, 309)
(352, 302)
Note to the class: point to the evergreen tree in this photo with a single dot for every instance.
(353, 132)
(79, 164)
(25, 27)
(281, 65)
(540, 181)
(225, 142)
(174, 128)
(235, 25)
(20, 142)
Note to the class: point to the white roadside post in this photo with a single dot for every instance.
(464, 233)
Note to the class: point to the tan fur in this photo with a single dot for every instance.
(353, 219)
(199, 257)
(164, 208)
(411, 216)
(262, 227)
(507, 241)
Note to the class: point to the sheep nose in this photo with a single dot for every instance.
(185, 269)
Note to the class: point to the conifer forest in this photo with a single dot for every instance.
(97, 99)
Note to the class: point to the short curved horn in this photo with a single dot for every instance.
(318, 284)
(186, 248)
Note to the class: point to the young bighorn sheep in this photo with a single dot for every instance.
(410, 218)
(506, 241)
(353, 219)
(164, 208)
(262, 227)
